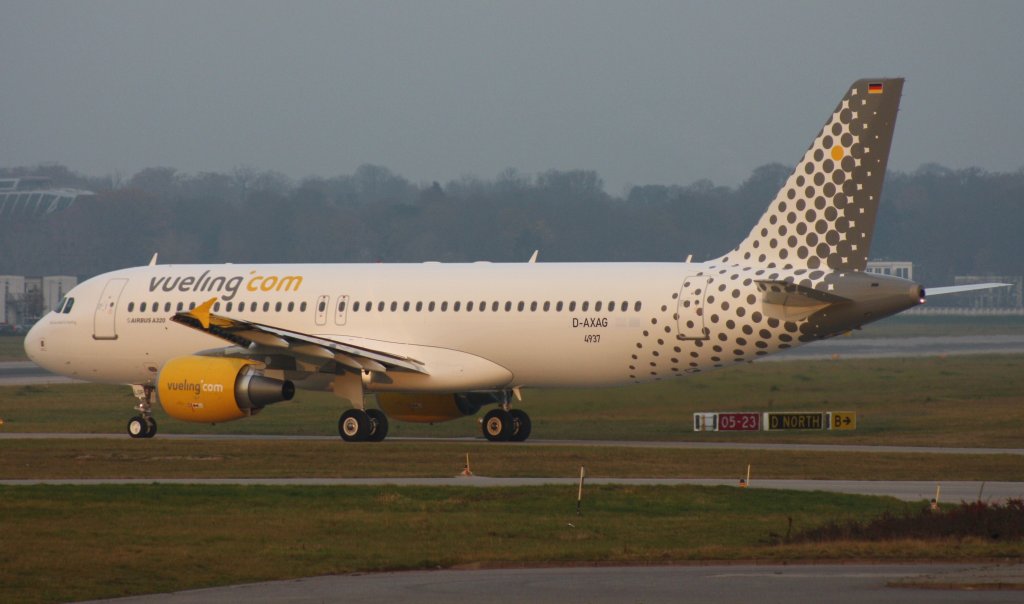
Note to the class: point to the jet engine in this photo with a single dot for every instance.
(212, 390)
(432, 408)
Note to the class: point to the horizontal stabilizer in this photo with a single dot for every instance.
(956, 289)
(792, 302)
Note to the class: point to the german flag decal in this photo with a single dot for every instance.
(875, 88)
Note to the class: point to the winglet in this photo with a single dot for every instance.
(202, 313)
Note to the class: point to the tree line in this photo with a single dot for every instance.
(948, 222)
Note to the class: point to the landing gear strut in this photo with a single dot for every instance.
(357, 425)
(143, 425)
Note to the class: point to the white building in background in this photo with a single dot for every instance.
(895, 268)
(25, 299)
(12, 287)
(54, 289)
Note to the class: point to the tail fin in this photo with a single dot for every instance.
(824, 216)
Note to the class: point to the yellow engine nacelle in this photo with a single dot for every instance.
(429, 408)
(213, 389)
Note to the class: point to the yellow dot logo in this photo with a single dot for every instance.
(838, 152)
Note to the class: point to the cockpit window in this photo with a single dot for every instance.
(64, 306)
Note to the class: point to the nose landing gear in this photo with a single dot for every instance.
(143, 425)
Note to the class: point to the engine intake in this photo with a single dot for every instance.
(213, 390)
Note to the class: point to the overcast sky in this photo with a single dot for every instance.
(642, 92)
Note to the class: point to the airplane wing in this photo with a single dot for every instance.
(250, 335)
(956, 289)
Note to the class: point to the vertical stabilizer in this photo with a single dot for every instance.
(824, 216)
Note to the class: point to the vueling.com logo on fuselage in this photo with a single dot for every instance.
(226, 286)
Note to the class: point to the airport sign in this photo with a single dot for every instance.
(843, 420)
(795, 421)
(739, 421)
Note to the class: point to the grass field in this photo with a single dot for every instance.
(327, 459)
(12, 348)
(970, 401)
(115, 541)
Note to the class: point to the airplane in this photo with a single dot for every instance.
(436, 342)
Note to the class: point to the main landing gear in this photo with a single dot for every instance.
(143, 425)
(504, 424)
(358, 425)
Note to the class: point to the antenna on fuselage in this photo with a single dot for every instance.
(152, 261)
(533, 258)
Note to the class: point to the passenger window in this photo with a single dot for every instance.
(572, 306)
(547, 306)
(355, 307)
(469, 306)
(585, 306)
(216, 306)
(394, 306)
(380, 306)
(597, 306)
(302, 307)
(405, 306)
(181, 305)
(291, 306)
(494, 306)
(156, 307)
(522, 305)
(322, 306)
(444, 306)
(533, 306)
(611, 307)
(341, 305)
(142, 307)
(430, 306)
(191, 305)
(277, 307)
(558, 307)
(419, 306)
(131, 306)
(227, 309)
(456, 306)
(636, 306)
(508, 306)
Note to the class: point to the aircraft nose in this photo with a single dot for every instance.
(35, 343)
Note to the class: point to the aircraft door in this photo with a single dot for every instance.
(690, 311)
(104, 326)
(321, 309)
(341, 311)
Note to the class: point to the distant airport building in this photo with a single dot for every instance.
(895, 268)
(24, 299)
(35, 196)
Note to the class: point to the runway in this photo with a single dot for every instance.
(540, 442)
(740, 583)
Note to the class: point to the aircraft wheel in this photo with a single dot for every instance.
(150, 427)
(354, 425)
(137, 427)
(378, 425)
(521, 425)
(497, 425)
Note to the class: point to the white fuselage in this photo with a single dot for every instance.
(472, 326)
